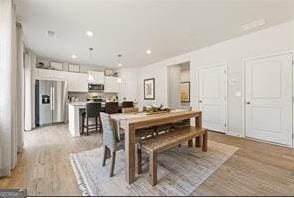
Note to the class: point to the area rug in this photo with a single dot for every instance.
(180, 171)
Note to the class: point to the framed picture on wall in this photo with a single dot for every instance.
(149, 89)
(185, 91)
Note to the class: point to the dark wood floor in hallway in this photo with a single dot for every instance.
(255, 169)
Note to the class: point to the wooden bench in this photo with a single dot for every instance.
(167, 141)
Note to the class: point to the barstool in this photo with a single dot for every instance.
(127, 104)
(111, 107)
(93, 110)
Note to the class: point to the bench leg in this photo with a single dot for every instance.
(190, 143)
(204, 145)
(198, 141)
(153, 168)
(139, 162)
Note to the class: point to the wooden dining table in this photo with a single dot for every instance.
(130, 123)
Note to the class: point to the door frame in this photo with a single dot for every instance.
(198, 68)
(245, 60)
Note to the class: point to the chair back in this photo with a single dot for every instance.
(127, 104)
(111, 107)
(109, 132)
(130, 110)
(93, 109)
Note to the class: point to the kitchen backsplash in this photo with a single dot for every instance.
(82, 96)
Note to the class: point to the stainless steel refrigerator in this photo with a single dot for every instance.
(50, 102)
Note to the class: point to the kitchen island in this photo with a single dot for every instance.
(74, 118)
(75, 110)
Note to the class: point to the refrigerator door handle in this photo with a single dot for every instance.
(53, 98)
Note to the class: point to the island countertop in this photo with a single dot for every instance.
(82, 103)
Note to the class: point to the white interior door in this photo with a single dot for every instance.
(212, 97)
(269, 99)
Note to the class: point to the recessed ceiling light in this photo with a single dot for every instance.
(73, 56)
(119, 64)
(148, 51)
(89, 33)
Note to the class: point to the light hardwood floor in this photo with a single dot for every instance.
(255, 169)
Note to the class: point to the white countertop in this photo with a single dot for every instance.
(81, 103)
(77, 103)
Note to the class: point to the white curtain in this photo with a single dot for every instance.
(29, 90)
(11, 88)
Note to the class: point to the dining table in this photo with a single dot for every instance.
(129, 123)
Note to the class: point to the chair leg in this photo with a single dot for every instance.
(139, 160)
(83, 124)
(153, 168)
(100, 125)
(204, 143)
(112, 163)
(96, 124)
(105, 149)
(87, 125)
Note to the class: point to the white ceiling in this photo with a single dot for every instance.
(130, 27)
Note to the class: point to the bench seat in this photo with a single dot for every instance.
(167, 141)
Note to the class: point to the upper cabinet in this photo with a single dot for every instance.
(96, 77)
(111, 84)
(76, 82)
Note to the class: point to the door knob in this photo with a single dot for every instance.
(248, 103)
(200, 101)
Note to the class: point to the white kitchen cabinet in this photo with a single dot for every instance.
(111, 84)
(96, 77)
(76, 82)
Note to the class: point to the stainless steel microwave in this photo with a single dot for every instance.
(95, 87)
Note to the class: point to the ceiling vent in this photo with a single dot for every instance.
(51, 34)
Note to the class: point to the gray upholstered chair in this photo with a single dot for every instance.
(111, 141)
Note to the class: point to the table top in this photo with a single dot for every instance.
(145, 119)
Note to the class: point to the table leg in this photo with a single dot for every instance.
(204, 145)
(198, 141)
(130, 149)
(190, 143)
(198, 124)
(198, 120)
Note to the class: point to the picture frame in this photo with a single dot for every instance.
(149, 89)
(56, 65)
(73, 68)
(185, 91)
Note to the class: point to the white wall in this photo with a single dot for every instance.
(128, 86)
(272, 40)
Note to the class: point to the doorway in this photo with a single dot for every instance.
(179, 86)
(212, 96)
(268, 111)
